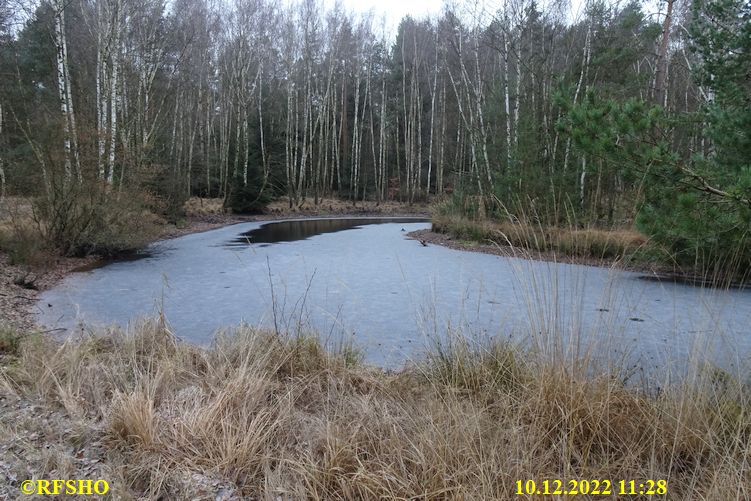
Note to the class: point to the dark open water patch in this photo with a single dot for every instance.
(302, 229)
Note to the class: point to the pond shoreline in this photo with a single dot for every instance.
(650, 271)
(435, 238)
(20, 286)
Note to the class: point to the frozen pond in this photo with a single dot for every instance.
(370, 282)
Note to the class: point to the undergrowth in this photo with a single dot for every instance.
(531, 236)
(279, 416)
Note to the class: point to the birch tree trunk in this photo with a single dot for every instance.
(582, 178)
(506, 102)
(479, 103)
(101, 82)
(69, 93)
(373, 157)
(381, 139)
(63, 83)
(288, 144)
(114, 96)
(355, 137)
(366, 99)
(470, 130)
(517, 97)
(442, 147)
(264, 162)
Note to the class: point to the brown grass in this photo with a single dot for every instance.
(21, 236)
(266, 416)
(586, 243)
(202, 207)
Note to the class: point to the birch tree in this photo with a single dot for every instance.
(63, 89)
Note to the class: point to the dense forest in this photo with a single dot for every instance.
(620, 115)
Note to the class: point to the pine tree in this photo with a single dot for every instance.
(697, 206)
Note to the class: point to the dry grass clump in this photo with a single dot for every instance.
(201, 207)
(20, 236)
(261, 415)
(10, 342)
(587, 243)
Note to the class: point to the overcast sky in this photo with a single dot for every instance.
(395, 10)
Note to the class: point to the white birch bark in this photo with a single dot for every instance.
(373, 157)
(506, 102)
(517, 98)
(355, 134)
(288, 149)
(582, 179)
(71, 113)
(62, 83)
(101, 104)
(469, 129)
(407, 134)
(382, 138)
(479, 103)
(264, 163)
(114, 96)
(246, 141)
(442, 147)
(358, 165)
(662, 58)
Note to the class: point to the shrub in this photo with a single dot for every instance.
(249, 198)
(166, 195)
(20, 237)
(24, 244)
(85, 218)
(10, 342)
